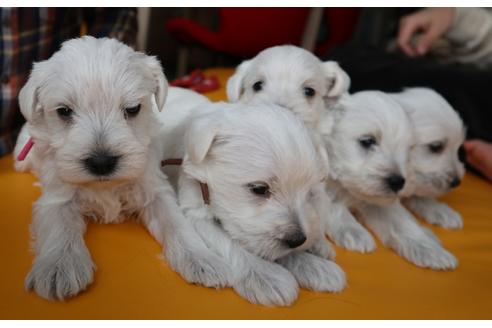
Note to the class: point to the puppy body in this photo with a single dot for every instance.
(435, 158)
(297, 80)
(90, 110)
(369, 150)
(241, 152)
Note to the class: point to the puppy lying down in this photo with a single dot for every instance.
(261, 173)
(437, 159)
(91, 111)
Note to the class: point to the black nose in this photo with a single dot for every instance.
(101, 163)
(395, 182)
(455, 182)
(295, 239)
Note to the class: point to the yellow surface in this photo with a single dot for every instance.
(133, 282)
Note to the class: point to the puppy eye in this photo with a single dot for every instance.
(436, 147)
(259, 189)
(258, 86)
(132, 111)
(64, 113)
(309, 92)
(367, 142)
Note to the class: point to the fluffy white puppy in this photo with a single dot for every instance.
(260, 209)
(291, 77)
(369, 150)
(437, 158)
(296, 79)
(91, 111)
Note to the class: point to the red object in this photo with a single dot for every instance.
(244, 32)
(189, 80)
(197, 81)
(25, 150)
(206, 85)
(340, 24)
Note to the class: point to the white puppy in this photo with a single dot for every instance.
(369, 151)
(296, 79)
(260, 195)
(437, 157)
(90, 110)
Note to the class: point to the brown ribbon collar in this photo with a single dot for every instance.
(203, 186)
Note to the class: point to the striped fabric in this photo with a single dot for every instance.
(28, 35)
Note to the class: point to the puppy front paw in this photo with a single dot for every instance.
(426, 253)
(267, 284)
(444, 216)
(62, 276)
(197, 268)
(323, 248)
(315, 273)
(354, 238)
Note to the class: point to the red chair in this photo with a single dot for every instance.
(243, 32)
(340, 24)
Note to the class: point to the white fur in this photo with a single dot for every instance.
(97, 79)
(228, 147)
(435, 121)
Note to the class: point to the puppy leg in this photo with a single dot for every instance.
(398, 230)
(253, 278)
(315, 273)
(257, 280)
(435, 212)
(323, 249)
(341, 226)
(63, 266)
(185, 251)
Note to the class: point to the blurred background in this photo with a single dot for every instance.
(189, 38)
(387, 49)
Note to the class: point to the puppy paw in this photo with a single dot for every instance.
(62, 276)
(267, 284)
(315, 273)
(425, 253)
(194, 267)
(444, 216)
(354, 238)
(323, 248)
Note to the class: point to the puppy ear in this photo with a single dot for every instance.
(200, 136)
(161, 84)
(28, 97)
(338, 79)
(235, 84)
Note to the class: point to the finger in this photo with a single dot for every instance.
(408, 27)
(470, 146)
(426, 40)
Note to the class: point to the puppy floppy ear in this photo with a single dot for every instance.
(235, 84)
(28, 95)
(161, 84)
(338, 79)
(200, 137)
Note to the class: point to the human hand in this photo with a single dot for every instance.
(431, 23)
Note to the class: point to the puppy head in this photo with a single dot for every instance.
(436, 160)
(261, 167)
(369, 147)
(291, 77)
(90, 105)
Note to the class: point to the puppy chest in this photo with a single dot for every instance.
(110, 206)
